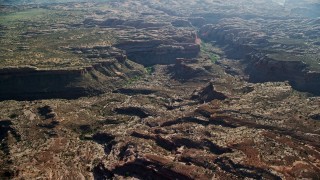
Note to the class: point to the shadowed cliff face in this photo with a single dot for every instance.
(264, 69)
(31, 83)
(40, 85)
(149, 55)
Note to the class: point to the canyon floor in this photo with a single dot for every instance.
(138, 89)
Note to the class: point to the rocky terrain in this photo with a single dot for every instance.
(271, 55)
(138, 89)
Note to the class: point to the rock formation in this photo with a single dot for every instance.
(148, 89)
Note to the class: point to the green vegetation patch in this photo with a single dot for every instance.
(133, 80)
(149, 69)
(208, 50)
